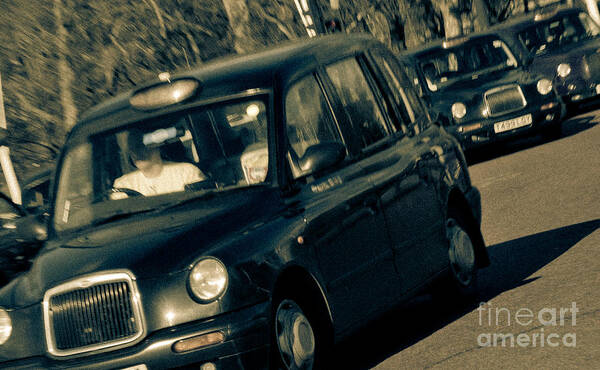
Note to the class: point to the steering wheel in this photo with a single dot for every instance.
(128, 192)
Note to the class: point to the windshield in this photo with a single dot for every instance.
(442, 67)
(163, 160)
(558, 32)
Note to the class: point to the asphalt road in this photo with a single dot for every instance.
(541, 215)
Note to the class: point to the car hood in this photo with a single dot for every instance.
(468, 90)
(147, 245)
(546, 64)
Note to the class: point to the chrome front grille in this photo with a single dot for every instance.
(504, 99)
(91, 313)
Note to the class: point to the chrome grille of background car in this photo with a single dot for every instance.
(504, 99)
(92, 313)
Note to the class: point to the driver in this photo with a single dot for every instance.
(154, 176)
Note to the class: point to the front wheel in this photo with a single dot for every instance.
(294, 336)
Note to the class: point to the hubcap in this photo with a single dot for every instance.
(461, 253)
(295, 336)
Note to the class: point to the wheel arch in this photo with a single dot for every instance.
(301, 281)
(304, 285)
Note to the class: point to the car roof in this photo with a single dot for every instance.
(513, 24)
(518, 23)
(439, 44)
(234, 74)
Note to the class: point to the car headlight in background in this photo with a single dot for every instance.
(544, 86)
(208, 279)
(459, 110)
(563, 70)
(5, 326)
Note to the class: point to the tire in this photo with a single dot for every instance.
(463, 270)
(298, 336)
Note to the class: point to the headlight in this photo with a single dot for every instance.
(5, 326)
(459, 110)
(208, 279)
(563, 70)
(544, 86)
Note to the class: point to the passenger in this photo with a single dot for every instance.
(154, 176)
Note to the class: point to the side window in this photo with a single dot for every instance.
(309, 120)
(360, 105)
(404, 94)
(72, 203)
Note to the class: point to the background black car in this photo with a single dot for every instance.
(481, 90)
(563, 44)
(321, 209)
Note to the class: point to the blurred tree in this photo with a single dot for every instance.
(451, 15)
(65, 73)
(481, 15)
(421, 22)
(60, 57)
(500, 10)
(241, 26)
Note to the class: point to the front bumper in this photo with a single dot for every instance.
(245, 347)
(485, 134)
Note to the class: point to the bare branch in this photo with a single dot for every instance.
(290, 35)
(161, 22)
(26, 106)
(118, 45)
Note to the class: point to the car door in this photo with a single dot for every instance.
(345, 225)
(408, 185)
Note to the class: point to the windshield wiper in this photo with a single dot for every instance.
(120, 216)
(204, 194)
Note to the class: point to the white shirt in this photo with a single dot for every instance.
(173, 178)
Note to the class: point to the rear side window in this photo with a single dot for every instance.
(309, 120)
(402, 89)
(359, 103)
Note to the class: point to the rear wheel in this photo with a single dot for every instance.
(462, 257)
(461, 254)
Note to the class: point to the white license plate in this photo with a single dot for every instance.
(512, 123)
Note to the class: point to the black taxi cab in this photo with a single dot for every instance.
(562, 43)
(307, 192)
(482, 91)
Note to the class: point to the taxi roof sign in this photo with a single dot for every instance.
(164, 94)
(448, 43)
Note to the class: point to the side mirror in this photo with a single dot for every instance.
(322, 156)
(32, 229)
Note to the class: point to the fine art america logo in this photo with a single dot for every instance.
(547, 327)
